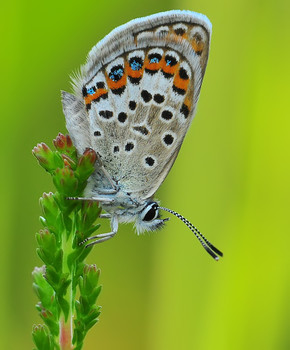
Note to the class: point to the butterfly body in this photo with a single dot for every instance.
(125, 207)
(133, 103)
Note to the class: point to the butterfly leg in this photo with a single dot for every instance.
(103, 200)
(105, 216)
(103, 236)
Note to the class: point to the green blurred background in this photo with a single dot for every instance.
(231, 179)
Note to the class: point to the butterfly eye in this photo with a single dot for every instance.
(150, 212)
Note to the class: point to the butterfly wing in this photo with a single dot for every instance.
(136, 96)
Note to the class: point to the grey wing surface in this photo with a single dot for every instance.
(136, 96)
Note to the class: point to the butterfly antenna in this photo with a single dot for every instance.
(210, 248)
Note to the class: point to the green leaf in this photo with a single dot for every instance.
(65, 181)
(65, 306)
(50, 319)
(49, 208)
(73, 257)
(85, 165)
(42, 337)
(95, 293)
(53, 277)
(42, 288)
(84, 252)
(90, 211)
(91, 278)
(47, 246)
(64, 283)
(43, 221)
(93, 229)
(47, 158)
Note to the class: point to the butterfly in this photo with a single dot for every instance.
(133, 102)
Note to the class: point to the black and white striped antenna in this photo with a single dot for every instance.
(211, 249)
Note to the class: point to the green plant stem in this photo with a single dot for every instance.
(65, 273)
(65, 338)
(66, 325)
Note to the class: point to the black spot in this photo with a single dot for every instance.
(197, 37)
(132, 105)
(168, 139)
(85, 93)
(142, 129)
(158, 98)
(135, 81)
(104, 96)
(149, 161)
(154, 58)
(183, 74)
(116, 73)
(88, 106)
(116, 149)
(184, 110)
(100, 85)
(146, 96)
(136, 63)
(106, 114)
(119, 91)
(178, 90)
(151, 71)
(167, 115)
(167, 75)
(97, 133)
(179, 31)
(170, 60)
(122, 117)
(129, 146)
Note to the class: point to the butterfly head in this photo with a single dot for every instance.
(148, 219)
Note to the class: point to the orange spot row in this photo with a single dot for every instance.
(183, 36)
(116, 84)
(180, 83)
(166, 68)
(133, 73)
(152, 66)
(198, 45)
(169, 69)
(187, 102)
(161, 65)
(96, 95)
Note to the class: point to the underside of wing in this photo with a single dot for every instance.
(137, 94)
